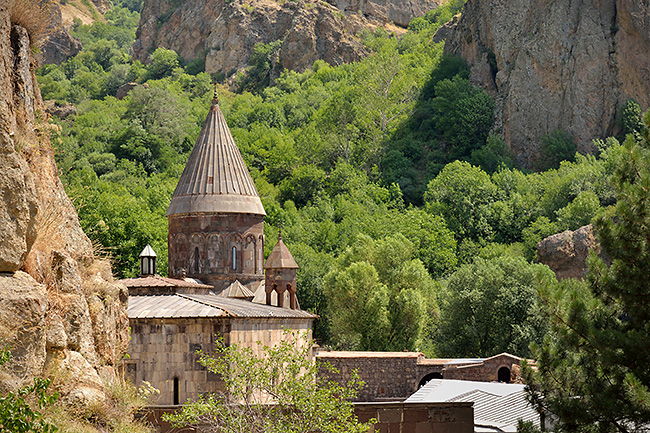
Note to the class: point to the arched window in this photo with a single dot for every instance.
(259, 260)
(234, 258)
(176, 392)
(196, 260)
(504, 375)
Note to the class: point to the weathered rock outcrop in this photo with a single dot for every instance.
(566, 65)
(566, 253)
(225, 32)
(59, 306)
(60, 44)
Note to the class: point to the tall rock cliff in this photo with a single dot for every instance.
(60, 310)
(566, 65)
(225, 31)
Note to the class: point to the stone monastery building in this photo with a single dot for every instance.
(219, 286)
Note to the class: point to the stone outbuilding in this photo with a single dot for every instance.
(393, 376)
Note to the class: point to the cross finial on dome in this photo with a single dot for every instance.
(280, 232)
(215, 98)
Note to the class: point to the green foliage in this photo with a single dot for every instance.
(20, 408)
(493, 156)
(286, 376)
(556, 147)
(162, 63)
(258, 75)
(489, 307)
(591, 373)
(380, 296)
(629, 119)
(464, 195)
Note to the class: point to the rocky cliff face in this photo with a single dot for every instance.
(60, 310)
(60, 44)
(225, 32)
(566, 65)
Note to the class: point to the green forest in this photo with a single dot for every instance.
(412, 225)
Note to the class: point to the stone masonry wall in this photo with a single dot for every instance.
(164, 349)
(247, 332)
(391, 417)
(393, 376)
(418, 417)
(487, 371)
(214, 237)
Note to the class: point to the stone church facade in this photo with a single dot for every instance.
(217, 288)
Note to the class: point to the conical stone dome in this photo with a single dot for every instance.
(215, 179)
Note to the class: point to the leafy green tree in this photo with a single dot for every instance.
(629, 119)
(489, 307)
(463, 195)
(162, 63)
(285, 375)
(380, 296)
(263, 60)
(579, 212)
(592, 373)
(493, 156)
(556, 147)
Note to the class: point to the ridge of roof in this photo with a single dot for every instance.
(160, 281)
(215, 178)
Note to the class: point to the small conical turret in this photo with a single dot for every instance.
(280, 275)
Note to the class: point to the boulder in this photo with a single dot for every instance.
(566, 253)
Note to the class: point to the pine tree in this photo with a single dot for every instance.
(593, 371)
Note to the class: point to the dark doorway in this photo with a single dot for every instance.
(429, 377)
(504, 375)
(176, 392)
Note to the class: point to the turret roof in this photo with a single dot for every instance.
(215, 179)
(280, 258)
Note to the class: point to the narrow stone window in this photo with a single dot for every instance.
(234, 258)
(196, 260)
(176, 392)
(259, 261)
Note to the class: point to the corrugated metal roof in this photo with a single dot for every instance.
(497, 406)
(179, 306)
(215, 178)
(280, 258)
(239, 308)
(169, 306)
